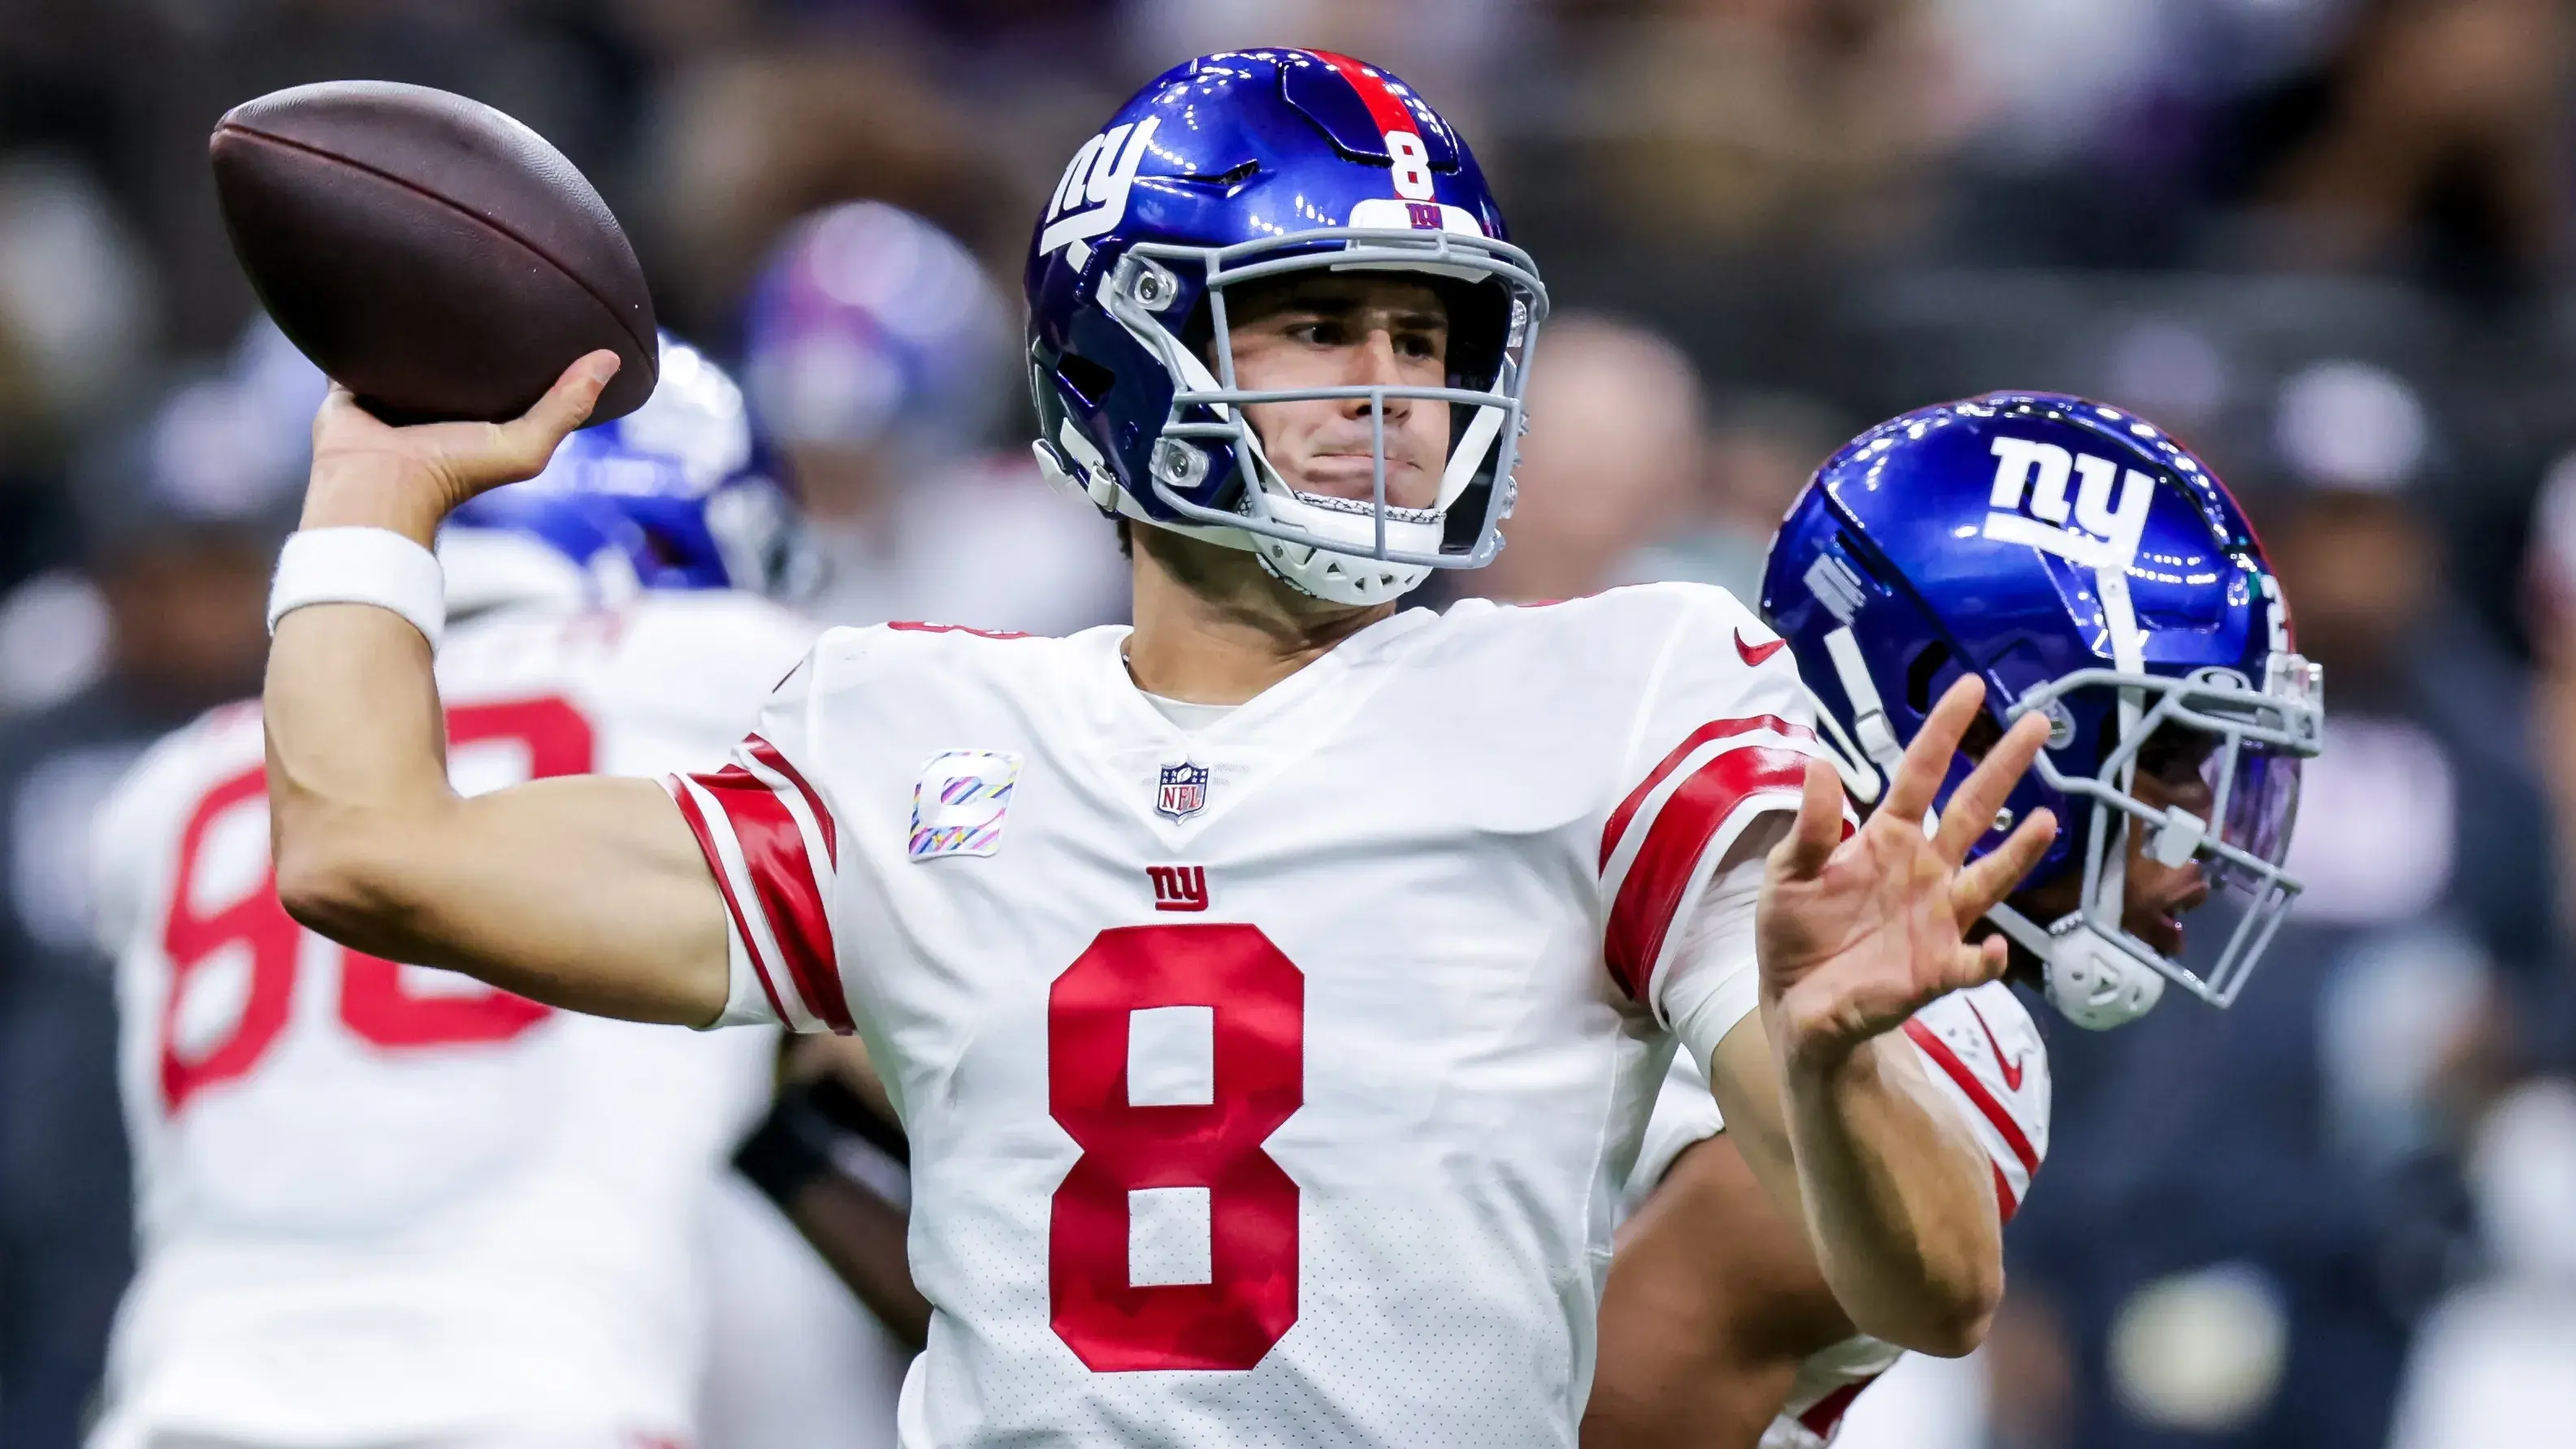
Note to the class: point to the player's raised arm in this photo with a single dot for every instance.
(1855, 935)
(587, 892)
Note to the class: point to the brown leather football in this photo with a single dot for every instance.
(434, 255)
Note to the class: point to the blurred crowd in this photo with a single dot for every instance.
(2327, 241)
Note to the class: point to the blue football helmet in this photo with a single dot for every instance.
(1233, 168)
(682, 493)
(2089, 568)
(870, 327)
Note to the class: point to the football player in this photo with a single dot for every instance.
(1272, 992)
(384, 1204)
(2089, 570)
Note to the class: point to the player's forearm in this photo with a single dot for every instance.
(356, 742)
(355, 758)
(1902, 1216)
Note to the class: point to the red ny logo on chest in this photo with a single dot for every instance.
(1179, 887)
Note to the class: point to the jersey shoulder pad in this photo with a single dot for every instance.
(714, 640)
(1986, 1052)
(1644, 613)
(686, 666)
(1675, 648)
(931, 654)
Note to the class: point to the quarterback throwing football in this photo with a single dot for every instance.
(1272, 993)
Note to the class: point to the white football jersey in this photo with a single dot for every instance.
(1985, 1052)
(380, 1203)
(1270, 1082)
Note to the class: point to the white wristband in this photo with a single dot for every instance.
(374, 566)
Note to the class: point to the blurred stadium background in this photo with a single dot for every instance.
(2328, 241)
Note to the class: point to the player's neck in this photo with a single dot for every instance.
(1214, 627)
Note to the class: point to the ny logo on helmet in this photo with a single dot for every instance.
(2103, 534)
(1091, 197)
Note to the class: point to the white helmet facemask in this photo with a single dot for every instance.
(1346, 550)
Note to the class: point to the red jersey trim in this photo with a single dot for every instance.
(2006, 1202)
(1661, 874)
(1826, 1414)
(697, 819)
(784, 881)
(1948, 1061)
(776, 759)
(1617, 825)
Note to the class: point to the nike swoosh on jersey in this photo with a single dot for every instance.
(1756, 653)
(2011, 1069)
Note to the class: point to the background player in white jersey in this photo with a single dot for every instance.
(2148, 626)
(381, 1204)
(1271, 993)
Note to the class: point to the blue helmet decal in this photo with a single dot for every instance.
(1237, 167)
(683, 493)
(2088, 567)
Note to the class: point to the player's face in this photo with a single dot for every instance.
(2168, 774)
(2159, 895)
(1352, 330)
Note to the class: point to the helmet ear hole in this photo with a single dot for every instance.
(1089, 380)
(1920, 674)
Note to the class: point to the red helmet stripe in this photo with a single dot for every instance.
(1384, 107)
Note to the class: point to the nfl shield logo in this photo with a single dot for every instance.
(1183, 793)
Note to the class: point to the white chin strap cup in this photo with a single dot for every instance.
(2095, 985)
(2091, 981)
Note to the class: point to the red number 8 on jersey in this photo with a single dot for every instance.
(1172, 1159)
(373, 1001)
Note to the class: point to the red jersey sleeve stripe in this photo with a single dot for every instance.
(776, 759)
(789, 891)
(2006, 1203)
(1661, 874)
(1716, 729)
(1966, 1080)
(697, 819)
(1826, 1414)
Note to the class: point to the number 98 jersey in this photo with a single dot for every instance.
(380, 1203)
(1267, 1081)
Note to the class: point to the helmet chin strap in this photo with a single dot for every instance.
(2090, 980)
(1877, 743)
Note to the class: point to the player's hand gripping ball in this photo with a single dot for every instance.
(429, 253)
(1858, 934)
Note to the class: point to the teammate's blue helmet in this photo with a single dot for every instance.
(870, 327)
(682, 493)
(2086, 566)
(1247, 165)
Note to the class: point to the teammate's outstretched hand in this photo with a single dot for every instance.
(369, 473)
(1857, 935)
